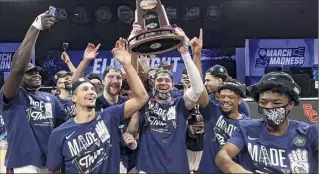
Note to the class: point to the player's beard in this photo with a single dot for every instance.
(111, 91)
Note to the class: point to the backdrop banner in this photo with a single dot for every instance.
(7, 51)
(262, 53)
(306, 111)
(53, 63)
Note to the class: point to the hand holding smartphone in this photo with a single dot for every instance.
(52, 10)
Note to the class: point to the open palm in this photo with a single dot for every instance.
(91, 51)
(120, 52)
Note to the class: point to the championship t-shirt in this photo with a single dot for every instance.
(101, 104)
(29, 119)
(91, 147)
(217, 131)
(293, 152)
(162, 137)
(68, 105)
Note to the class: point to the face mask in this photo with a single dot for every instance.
(99, 89)
(150, 83)
(163, 95)
(67, 85)
(30, 88)
(273, 116)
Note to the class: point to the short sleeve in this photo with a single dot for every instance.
(54, 157)
(181, 107)
(60, 115)
(6, 106)
(244, 108)
(313, 139)
(237, 138)
(208, 111)
(117, 113)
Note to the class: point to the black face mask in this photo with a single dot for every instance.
(150, 83)
(273, 116)
(30, 88)
(68, 85)
(163, 95)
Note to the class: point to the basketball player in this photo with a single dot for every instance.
(62, 80)
(29, 115)
(214, 114)
(162, 146)
(225, 118)
(90, 143)
(273, 144)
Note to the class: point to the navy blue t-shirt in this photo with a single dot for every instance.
(68, 105)
(29, 119)
(91, 147)
(175, 94)
(162, 137)
(243, 107)
(101, 103)
(217, 131)
(293, 152)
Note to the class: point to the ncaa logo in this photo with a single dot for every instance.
(103, 15)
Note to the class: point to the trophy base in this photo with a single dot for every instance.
(154, 42)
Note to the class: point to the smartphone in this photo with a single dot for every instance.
(65, 46)
(52, 10)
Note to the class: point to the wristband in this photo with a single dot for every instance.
(37, 22)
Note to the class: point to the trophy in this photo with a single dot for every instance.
(155, 35)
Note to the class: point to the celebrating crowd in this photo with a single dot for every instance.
(133, 120)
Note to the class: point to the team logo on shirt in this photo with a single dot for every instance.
(89, 150)
(299, 141)
(273, 160)
(161, 119)
(40, 113)
(222, 131)
(70, 110)
(299, 161)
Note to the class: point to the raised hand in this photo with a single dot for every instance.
(183, 48)
(65, 57)
(120, 52)
(91, 51)
(197, 43)
(44, 21)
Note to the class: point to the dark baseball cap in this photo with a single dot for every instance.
(61, 74)
(217, 70)
(80, 81)
(277, 77)
(93, 76)
(31, 67)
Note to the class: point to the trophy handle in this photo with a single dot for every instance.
(139, 13)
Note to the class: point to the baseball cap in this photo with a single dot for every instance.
(277, 77)
(32, 67)
(80, 81)
(93, 76)
(61, 74)
(218, 71)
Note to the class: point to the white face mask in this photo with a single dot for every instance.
(273, 116)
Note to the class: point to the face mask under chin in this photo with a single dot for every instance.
(30, 88)
(273, 116)
(163, 95)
